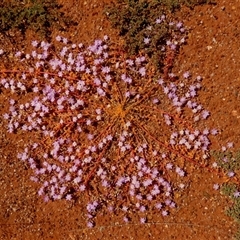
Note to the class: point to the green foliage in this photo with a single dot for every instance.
(237, 236)
(38, 15)
(227, 160)
(192, 3)
(170, 5)
(230, 161)
(234, 211)
(134, 18)
(229, 189)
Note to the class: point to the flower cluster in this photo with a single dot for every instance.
(105, 125)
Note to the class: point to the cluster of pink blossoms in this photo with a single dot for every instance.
(101, 122)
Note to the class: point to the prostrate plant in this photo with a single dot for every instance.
(106, 126)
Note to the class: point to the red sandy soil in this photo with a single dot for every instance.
(212, 51)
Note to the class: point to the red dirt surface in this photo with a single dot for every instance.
(212, 51)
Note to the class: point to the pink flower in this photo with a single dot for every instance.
(214, 131)
(179, 24)
(231, 174)
(205, 114)
(146, 40)
(215, 186)
(90, 224)
(58, 38)
(143, 220)
(142, 209)
(229, 144)
(82, 188)
(164, 213)
(46, 199)
(236, 194)
(126, 219)
(125, 208)
(69, 197)
(169, 166)
(158, 206)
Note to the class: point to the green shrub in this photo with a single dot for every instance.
(133, 18)
(38, 15)
(229, 161)
(231, 190)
